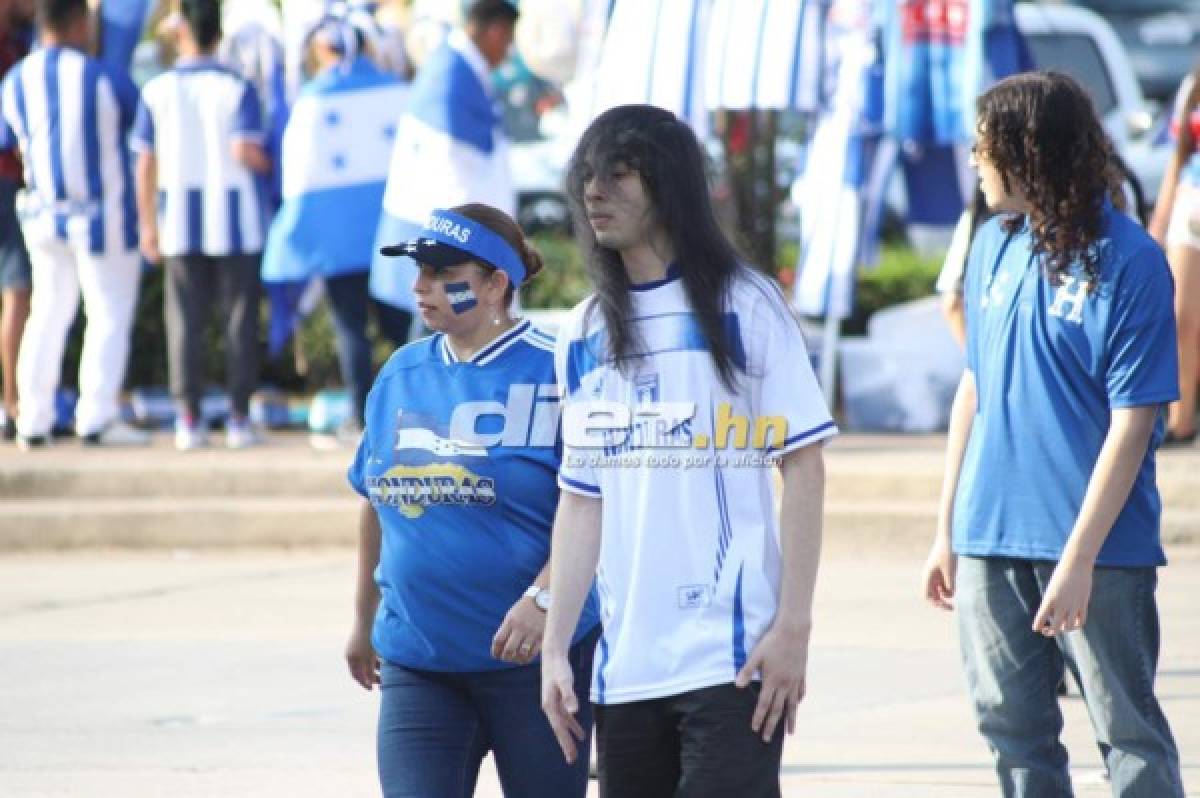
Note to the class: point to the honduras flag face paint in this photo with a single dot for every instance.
(461, 297)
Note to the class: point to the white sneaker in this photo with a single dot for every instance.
(117, 433)
(190, 436)
(241, 435)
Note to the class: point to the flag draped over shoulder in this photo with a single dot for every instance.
(335, 153)
(449, 150)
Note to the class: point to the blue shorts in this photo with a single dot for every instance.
(14, 258)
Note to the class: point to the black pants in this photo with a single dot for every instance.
(192, 284)
(693, 745)
(348, 303)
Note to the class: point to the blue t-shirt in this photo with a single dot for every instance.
(466, 525)
(1050, 364)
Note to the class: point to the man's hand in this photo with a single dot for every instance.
(1065, 602)
(937, 578)
(519, 638)
(781, 656)
(560, 704)
(361, 657)
(148, 243)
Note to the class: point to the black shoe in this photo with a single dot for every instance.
(1173, 441)
(32, 442)
(10, 430)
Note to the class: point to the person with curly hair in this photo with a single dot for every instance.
(1047, 541)
(1176, 225)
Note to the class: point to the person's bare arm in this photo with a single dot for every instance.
(147, 205)
(574, 554)
(252, 155)
(360, 654)
(954, 311)
(940, 567)
(1160, 219)
(1065, 602)
(781, 656)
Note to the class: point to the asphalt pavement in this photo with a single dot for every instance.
(219, 673)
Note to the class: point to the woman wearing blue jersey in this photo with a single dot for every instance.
(457, 466)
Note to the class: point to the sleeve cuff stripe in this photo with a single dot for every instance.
(828, 425)
(582, 487)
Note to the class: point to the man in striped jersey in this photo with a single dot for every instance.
(69, 117)
(199, 136)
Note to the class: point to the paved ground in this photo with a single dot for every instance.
(219, 674)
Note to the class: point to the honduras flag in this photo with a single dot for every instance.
(835, 223)
(335, 153)
(450, 150)
(767, 54)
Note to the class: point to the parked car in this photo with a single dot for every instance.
(1084, 45)
(1162, 38)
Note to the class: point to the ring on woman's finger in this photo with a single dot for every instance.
(525, 648)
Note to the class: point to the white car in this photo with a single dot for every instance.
(1083, 45)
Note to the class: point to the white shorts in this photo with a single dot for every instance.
(1184, 227)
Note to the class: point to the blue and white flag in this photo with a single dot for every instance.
(653, 53)
(767, 54)
(450, 150)
(335, 153)
(839, 166)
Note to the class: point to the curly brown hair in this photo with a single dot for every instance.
(1040, 131)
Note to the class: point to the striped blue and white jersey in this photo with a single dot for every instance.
(690, 560)
(70, 117)
(208, 202)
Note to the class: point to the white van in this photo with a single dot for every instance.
(1083, 45)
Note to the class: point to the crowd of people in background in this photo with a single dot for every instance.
(99, 180)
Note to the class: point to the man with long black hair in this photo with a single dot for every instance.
(1048, 537)
(701, 369)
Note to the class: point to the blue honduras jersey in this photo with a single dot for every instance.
(1050, 363)
(466, 526)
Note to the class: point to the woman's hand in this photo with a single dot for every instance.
(519, 638)
(361, 657)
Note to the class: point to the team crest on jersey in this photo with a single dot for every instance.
(645, 388)
(1069, 299)
(414, 489)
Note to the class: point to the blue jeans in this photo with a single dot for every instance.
(435, 728)
(1013, 672)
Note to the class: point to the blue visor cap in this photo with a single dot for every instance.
(450, 239)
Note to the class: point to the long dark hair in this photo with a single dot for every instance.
(664, 151)
(1041, 132)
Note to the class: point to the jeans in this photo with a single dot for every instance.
(1012, 673)
(697, 744)
(193, 284)
(435, 728)
(348, 303)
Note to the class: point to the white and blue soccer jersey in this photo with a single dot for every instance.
(1051, 362)
(689, 574)
(459, 461)
(70, 117)
(208, 202)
